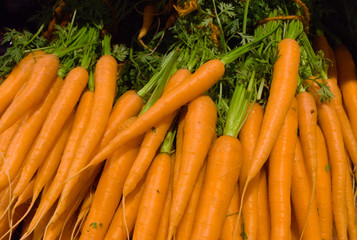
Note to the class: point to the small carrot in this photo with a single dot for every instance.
(199, 130)
(331, 128)
(148, 17)
(42, 75)
(280, 173)
(17, 77)
(323, 187)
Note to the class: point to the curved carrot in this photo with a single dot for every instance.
(248, 136)
(153, 138)
(17, 77)
(307, 219)
(323, 187)
(74, 83)
(54, 190)
(105, 77)
(42, 75)
(26, 135)
(331, 128)
(279, 176)
(199, 130)
(117, 229)
(109, 189)
(152, 201)
(148, 17)
(199, 82)
(222, 173)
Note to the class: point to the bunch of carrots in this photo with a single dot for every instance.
(181, 156)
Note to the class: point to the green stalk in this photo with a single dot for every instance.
(245, 18)
(168, 142)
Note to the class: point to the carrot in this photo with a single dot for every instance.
(42, 75)
(26, 135)
(118, 227)
(305, 210)
(153, 138)
(263, 207)
(61, 109)
(199, 130)
(231, 219)
(350, 203)
(281, 93)
(331, 128)
(109, 189)
(248, 136)
(18, 76)
(347, 80)
(105, 86)
(280, 172)
(323, 187)
(152, 202)
(200, 81)
(222, 173)
(320, 43)
(148, 17)
(185, 226)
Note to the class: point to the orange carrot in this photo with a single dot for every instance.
(19, 75)
(185, 226)
(331, 128)
(152, 202)
(350, 203)
(323, 187)
(199, 82)
(153, 138)
(26, 135)
(305, 210)
(222, 173)
(74, 83)
(148, 17)
(199, 130)
(320, 43)
(42, 75)
(263, 207)
(54, 190)
(280, 169)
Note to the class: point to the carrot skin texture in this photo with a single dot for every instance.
(42, 75)
(199, 82)
(280, 173)
(323, 187)
(331, 128)
(27, 133)
(301, 195)
(152, 202)
(19, 75)
(66, 100)
(199, 130)
(222, 173)
(282, 91)
(117, 229)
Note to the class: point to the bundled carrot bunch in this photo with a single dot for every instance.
(224, 140)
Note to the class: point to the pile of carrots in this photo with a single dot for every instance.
(82, 160)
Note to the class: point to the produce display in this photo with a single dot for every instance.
(179, 119)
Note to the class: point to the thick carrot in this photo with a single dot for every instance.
(323, 187)
(199, 130)
(185, 226)
(19, 75)
(42, 75)
(281, 93)
(231, 219)
(280, 169)
(199, 82)
(152, 202)
(331, 128)
(305, 210)
(109, 189)
(153, 138)
(222, 173)
(74, 83)
(118, 227)
(263, 207)
(26, 135)
(248, 136)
